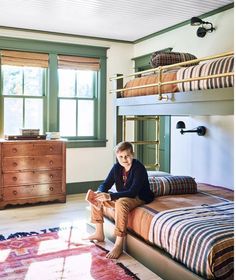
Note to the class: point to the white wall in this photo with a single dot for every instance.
(207, 158)
(210, 158)
(184, 39)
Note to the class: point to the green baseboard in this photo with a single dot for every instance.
(81, 187)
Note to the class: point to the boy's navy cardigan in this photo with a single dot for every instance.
(137, 183)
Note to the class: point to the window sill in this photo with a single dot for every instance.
(85, 143)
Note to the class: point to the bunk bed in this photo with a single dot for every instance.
(151, 92)
(172, 90)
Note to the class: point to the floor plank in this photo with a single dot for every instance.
(50, 215)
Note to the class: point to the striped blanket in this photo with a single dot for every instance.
(199, 237)
(217, 66)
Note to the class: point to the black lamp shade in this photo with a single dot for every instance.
(180, 125)
(195, 21)
(201, 32)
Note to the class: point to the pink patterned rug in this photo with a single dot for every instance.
(53, 256)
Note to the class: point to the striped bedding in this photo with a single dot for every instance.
(217, 66)
(193, 235)
(141, 219)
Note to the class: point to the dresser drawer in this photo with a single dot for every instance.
(31, 177)
(32, 149)
(29, 163)
(26, 191)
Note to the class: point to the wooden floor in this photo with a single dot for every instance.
(72, 213)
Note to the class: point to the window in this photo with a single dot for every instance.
(23, 90)
(54, 87)
(78, 78)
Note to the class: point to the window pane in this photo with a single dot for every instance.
(85, 118)
(66, 82)
(34, 113)
(85, 81)
(12, 80)
(67, 117)
(13, 115)
(33, 81)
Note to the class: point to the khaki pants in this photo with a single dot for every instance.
(122, 208)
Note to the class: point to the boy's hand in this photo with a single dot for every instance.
(103, 196)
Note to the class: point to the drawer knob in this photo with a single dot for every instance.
(14, 163)
(14, 150)
(14, 192)
(51, 189)
(50, 162)
(14, 178)
(51, 149)
(51, 176)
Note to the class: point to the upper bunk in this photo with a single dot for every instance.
(203, 86)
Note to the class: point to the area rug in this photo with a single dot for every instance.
(54, 256)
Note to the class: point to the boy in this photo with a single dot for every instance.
(132, 185)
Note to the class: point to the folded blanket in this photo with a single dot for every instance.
(200, 237)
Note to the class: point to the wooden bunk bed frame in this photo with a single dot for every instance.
(218, 101)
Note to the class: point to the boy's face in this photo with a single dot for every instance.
(125, 158)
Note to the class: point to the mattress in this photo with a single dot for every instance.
(145, 223)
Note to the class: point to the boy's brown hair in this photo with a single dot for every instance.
(123, 146)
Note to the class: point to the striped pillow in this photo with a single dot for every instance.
(172, 185)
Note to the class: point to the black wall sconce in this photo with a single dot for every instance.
(204, 28)
(200, 130)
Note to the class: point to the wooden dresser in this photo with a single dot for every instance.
(32, 171)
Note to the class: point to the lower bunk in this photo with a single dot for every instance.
(152, 257)
(183, 233)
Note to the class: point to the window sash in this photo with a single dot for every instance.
(22, 81)
(23, 97)
(22, 117)
(76, 113)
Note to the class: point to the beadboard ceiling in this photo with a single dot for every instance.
(127, 20)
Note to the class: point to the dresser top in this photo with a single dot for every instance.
(32, 141)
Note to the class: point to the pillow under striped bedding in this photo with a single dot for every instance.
(172, 185)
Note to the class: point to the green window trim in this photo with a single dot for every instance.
(86, 143)
(51, 121)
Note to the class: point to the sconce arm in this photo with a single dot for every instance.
(188, 131)
(200, 130)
